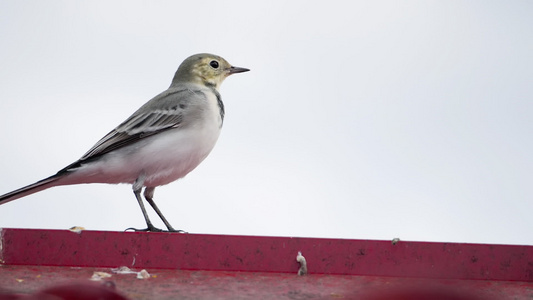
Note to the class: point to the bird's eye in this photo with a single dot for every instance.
(214, 64)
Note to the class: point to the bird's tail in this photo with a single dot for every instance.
(30, 189)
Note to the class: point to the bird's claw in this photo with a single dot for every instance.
(143, 230)
(153, 229)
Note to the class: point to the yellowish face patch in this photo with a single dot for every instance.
(211, 70)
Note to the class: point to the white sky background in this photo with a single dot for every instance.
(365, 120)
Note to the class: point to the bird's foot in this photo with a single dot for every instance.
(144, 229)
(171, 229)
(152, 228)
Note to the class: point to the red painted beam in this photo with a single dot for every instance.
(179, 284)
(265, 254)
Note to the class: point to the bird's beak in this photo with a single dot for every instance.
(233, 70)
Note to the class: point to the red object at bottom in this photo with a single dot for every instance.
(195, 266)
(180, 284)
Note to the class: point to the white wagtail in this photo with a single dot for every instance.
(161, 142)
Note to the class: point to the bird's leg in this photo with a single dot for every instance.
(149, 196)
(137, 187)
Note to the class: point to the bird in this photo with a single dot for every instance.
(161, 142)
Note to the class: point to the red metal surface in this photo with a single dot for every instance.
(195, 266)
(180, 284)
(265, 254)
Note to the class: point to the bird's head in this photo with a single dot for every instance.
(204, 68)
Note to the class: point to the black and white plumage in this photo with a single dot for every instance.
(161, 142)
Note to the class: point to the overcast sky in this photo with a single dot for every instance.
(363, 120)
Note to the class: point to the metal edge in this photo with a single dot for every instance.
(1, 246)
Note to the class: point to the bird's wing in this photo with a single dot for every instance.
(165, 111)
